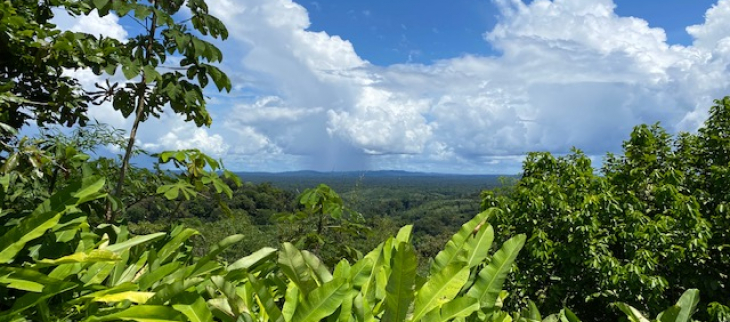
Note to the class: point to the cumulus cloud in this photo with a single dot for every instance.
(107, 26)
(184, 137)
(566, 73)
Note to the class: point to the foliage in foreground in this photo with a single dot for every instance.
(55, 266)
(651, 224)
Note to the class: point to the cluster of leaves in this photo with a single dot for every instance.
(323, 225)
(651, 224)
(34, 55)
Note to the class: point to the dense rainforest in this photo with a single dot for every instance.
(86, 237)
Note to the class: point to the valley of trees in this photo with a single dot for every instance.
(645, 237)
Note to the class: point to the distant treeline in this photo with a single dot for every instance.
(437, 205)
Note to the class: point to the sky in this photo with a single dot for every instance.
(461, 86)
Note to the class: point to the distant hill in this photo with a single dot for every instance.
(348, 180)
(374, 173)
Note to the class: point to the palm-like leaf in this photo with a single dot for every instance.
(491, 277)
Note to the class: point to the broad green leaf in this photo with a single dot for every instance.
(688, 302)
(322, 301)
(566, 315)
(221, 309)
(362, 309)
(259, 256)
(179, 236)
(669, 315)
(46, 216)
(267, 301)
(134, 297)
(99, 4)
(143, 313)
(31, 299)
(490, 280)
(132, 271)
(93, 256)
(478, 245)
(97, 273)
(321, 272)
(459, 307)
(194, 307)
(291, 301)
(124, 287)
(130, 69)
(214, 252)
(346, 307)
(404, 234)
(440, 288)
(167, 292)
(294, 267)
(25, 279)
(455, 249)
(360, 272)
(229, 290)
(137, 240)
(532, 314)
(369, 284)
(149, 278)
(400, 290)
(150, 74)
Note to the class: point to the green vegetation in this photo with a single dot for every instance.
(649, 225)
(97, 239)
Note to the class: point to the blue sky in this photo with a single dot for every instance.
(422, 31)
(459, 87)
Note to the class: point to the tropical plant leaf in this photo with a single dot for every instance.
(490, 280)
(688, 303)
(321, 272)
(255, 259)
(143, 313)
(670, 314)
(267, 301)
(93, 256)
(193, 306)
(478, 245)
(404, 234)
(455, 247)
(322, 301)
(218, 248)
(291, 301)
(294, 267)
(137, 240)
(440, 288)
(566, 315)
(532, 314)
(46, 216)
(459, 307)
(179, 236)
(134, 297)
(25, 279)
(401, 284)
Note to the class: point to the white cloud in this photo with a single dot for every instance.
(568, 73)
(107, 26)
(171, 132)
(383, 122)
(715, 29)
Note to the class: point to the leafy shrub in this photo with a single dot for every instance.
(650, 225)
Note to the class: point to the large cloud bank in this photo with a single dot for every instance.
(567, 73)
